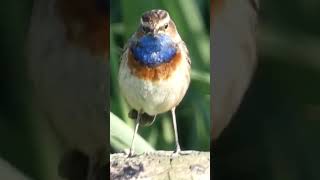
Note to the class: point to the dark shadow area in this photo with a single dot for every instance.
(275, 134)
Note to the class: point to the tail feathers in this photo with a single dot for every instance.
(145, 119)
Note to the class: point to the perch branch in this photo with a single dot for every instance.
(161, 165)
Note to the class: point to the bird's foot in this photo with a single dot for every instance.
(176, 153)
(128, 152)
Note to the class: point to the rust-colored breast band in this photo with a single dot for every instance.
(161, 72)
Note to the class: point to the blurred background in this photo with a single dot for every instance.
(275, 134)
(54, 78)
(193, 113)
(17, 143)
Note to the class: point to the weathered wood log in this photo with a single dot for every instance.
(161, 165)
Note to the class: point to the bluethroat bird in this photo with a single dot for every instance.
(154, 74)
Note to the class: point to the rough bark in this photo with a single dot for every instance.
(161, 165)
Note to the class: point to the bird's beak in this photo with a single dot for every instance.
(153, 31)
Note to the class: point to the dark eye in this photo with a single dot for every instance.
(166, 26)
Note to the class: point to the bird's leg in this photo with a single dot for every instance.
(134, 134)
(175, 129)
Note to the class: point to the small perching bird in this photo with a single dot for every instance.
(154, 74)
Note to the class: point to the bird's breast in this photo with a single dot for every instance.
(154, 89)
(154, 58)
(160, 72)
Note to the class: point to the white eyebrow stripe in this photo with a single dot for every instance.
(161, 23)
(164, 21)
(146, 24)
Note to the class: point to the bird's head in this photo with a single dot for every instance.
(157, 22)
(157, 38)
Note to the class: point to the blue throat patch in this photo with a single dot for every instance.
(154, 50)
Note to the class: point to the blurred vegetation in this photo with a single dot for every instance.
(193, 114)
(275, 134)
(17, 143)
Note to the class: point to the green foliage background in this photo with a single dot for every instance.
(193, 114)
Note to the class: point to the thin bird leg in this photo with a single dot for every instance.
(175, 129)
(134, 134)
